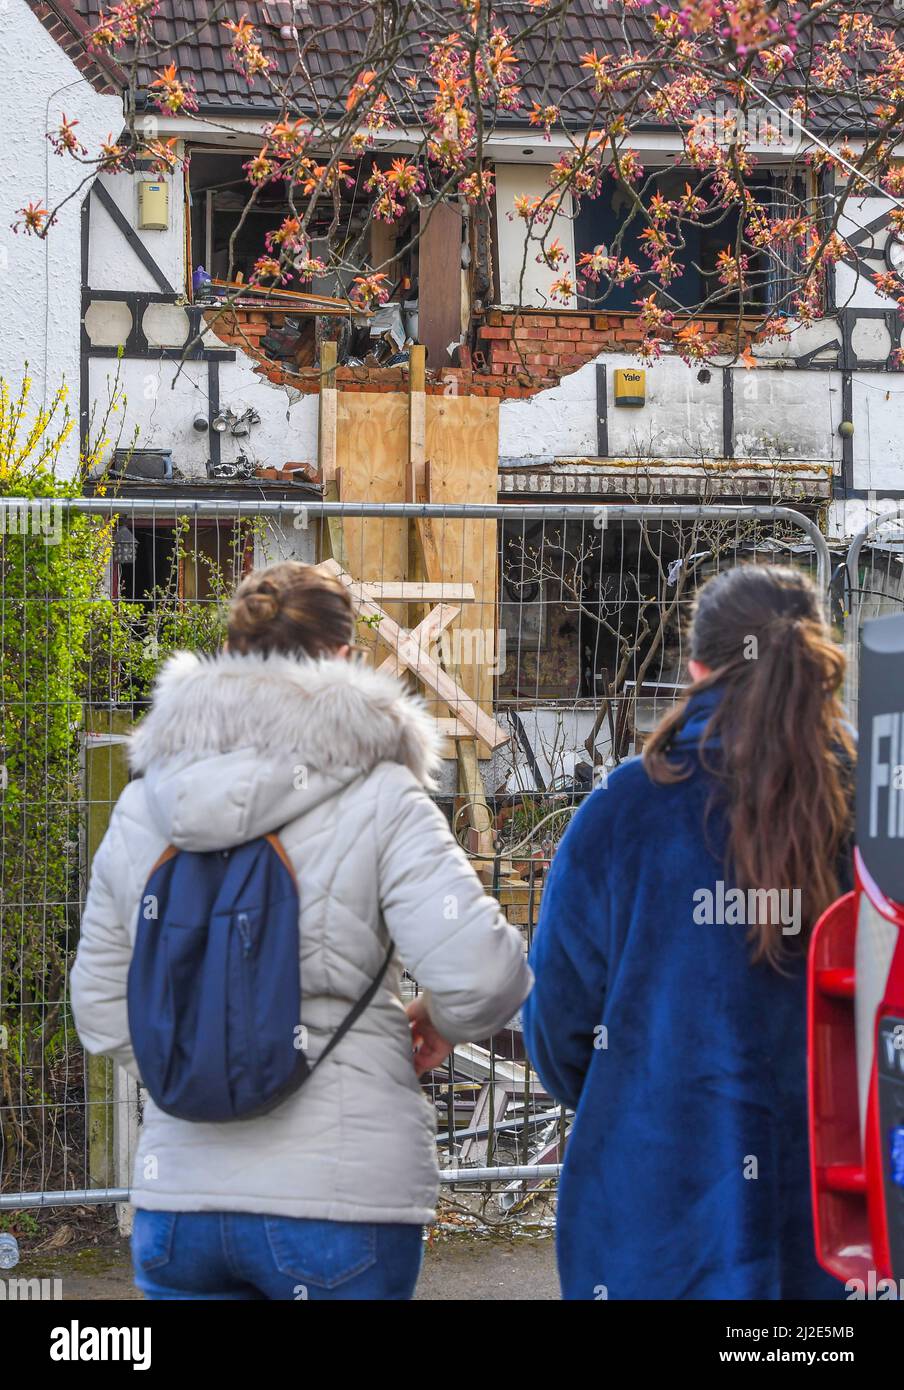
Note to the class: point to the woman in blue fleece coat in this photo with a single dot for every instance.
(669, 1006)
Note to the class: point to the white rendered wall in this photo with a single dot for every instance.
(112, 263)
(161, 401)
(779, 414)
(41, 279)
(513, 180)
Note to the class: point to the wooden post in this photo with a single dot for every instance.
(417, 422)
(415, 469)
(480, 817)
(332, 532)
(328, 412)
(106, 775)
(326, 440)
(439, 281)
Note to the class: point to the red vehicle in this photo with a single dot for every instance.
(856, 1002)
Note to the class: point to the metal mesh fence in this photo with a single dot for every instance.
(546, 641)
(873, 585)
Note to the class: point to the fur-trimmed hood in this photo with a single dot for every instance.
(329, 713)
(234, 746)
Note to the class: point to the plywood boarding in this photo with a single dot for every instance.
(461, 435)
(462, 448)
(371, 457)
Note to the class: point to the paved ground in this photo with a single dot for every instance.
(460, 1268)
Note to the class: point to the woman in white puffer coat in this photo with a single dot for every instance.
(325, 1196)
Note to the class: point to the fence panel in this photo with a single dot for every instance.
(874, 586)
(545, 640)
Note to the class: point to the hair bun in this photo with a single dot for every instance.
(261, 606)
(290, 608)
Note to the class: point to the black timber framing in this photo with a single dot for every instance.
(602, 412)
(110, 206)
(727, 413)
(847, 441)
(136, 346)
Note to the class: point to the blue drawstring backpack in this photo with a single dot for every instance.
(214, 988)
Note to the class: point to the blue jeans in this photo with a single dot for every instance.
(234, 1255)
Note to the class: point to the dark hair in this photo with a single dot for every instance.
(290, 608)
(785, 756)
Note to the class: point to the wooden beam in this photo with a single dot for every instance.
(403, 590)
(106, 776)
(417, 423)
(424, 635)
(415, 469)
(602, 412)
(329, 405)
(124, 226)
(480, 817)
(334, 534)
(439, 281)
(415, 658)
(452, 728)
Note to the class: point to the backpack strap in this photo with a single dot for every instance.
(351, 1018)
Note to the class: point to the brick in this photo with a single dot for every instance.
(491, 333)
(562, 350)
(531, 333)
(308, 470)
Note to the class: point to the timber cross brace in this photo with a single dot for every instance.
(410, 648)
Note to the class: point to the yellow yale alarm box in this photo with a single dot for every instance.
(630, 386)
(153, 205)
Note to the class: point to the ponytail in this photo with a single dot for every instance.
(777, 743)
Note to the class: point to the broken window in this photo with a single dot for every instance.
(424, 256)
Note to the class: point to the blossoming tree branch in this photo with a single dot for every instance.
(727, 84)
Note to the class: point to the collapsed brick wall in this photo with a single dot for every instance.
(550, 345)
(516, 354)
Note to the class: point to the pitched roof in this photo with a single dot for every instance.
(550, 49)
(70, 29)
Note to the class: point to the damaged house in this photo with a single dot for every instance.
(529, 388)
(486, 369)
